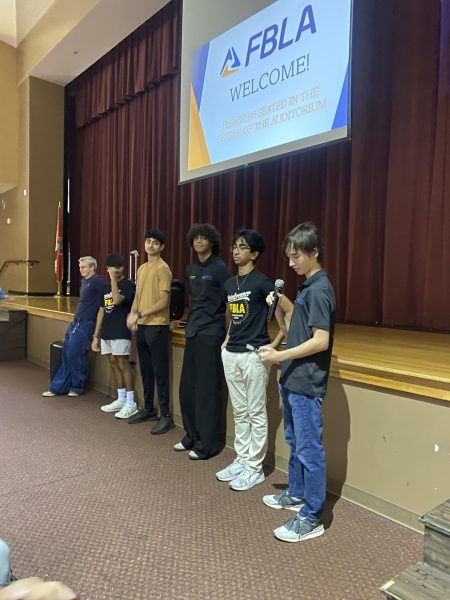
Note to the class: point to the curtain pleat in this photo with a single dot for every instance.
(381, 200)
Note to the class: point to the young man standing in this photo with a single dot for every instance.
(115, 337)
(247, 377)
(150, 315)
(305, 366)
(72, 375)
(202, 383)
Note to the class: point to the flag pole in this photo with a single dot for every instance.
(59, 256)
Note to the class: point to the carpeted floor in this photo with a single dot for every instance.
(117, 514)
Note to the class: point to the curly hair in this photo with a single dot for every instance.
(207, 231)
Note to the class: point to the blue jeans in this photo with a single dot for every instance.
(307, 469)
(73, 372)
(5, 573)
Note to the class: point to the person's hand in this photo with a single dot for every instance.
(132, 320)
(95, 346)
(269, 299)
(34, 588)
(112, 273)
(267, 354)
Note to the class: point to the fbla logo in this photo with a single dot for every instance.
(300, 300)
(231, 64)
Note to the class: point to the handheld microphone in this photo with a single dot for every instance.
(279, 283)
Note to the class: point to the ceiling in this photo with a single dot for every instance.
(109, 22)
(17, 17)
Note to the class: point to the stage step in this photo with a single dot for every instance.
(430, 579)
(436, 552)
(420, 582)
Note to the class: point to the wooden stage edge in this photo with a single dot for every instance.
(411, 362)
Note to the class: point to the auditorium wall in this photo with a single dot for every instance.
(28, 211)
(9, 118)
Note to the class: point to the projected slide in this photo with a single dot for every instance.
(279, 76)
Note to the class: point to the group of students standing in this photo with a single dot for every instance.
(240, 353)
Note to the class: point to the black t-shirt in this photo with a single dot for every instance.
(314, 307)
(114, 324)
(91, 298)
(248, 310)
(205, 284)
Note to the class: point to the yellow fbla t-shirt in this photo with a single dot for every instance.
(152, 278)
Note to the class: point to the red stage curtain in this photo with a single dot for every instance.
(382, 200)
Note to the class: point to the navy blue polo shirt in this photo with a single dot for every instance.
(314, 308)
(91, 298)
(205, 284)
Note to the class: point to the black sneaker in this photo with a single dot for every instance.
(163, 425)
(142, 415)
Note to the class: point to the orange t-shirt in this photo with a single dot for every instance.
(153, 278)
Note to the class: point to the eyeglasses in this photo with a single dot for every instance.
(239, 248)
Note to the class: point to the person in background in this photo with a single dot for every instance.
(305, 366)
(202, 398)
(113, 337)
(72, 375)
(34, 588)
(150, 316)
(5, 565)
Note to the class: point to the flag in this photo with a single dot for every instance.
(59, 257)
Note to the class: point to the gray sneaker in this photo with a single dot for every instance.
(299, 529)
(232, 471)
(284, 500)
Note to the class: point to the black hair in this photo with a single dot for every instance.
(306, 238)
(207, 231)
(114, 260)
(156, 234)
(253, 238)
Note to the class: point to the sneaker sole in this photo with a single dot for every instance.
(110, 410)
(278, 506)
(308, 536)
(248, 487)
(127, 417)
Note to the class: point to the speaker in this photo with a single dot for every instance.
(56, 349)
(177, 300)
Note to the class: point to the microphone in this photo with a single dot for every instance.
(279, 283)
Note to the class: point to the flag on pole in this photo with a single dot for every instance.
(59, 258)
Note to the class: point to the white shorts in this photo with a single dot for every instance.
(116, 347)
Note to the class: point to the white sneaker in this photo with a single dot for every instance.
(113, 407)
(178, 447)
(246, 480)
(232, 471)
(48, 394)
(127, 411)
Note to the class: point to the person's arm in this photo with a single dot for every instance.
(116, 295)
(162, 302)
(132, 317)
(318, 343)
(228, 326)
(277, 339)
(283, 312)
(98, 324)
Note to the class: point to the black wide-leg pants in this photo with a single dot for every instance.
(202, 395)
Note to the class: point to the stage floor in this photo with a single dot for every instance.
(415, 362)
